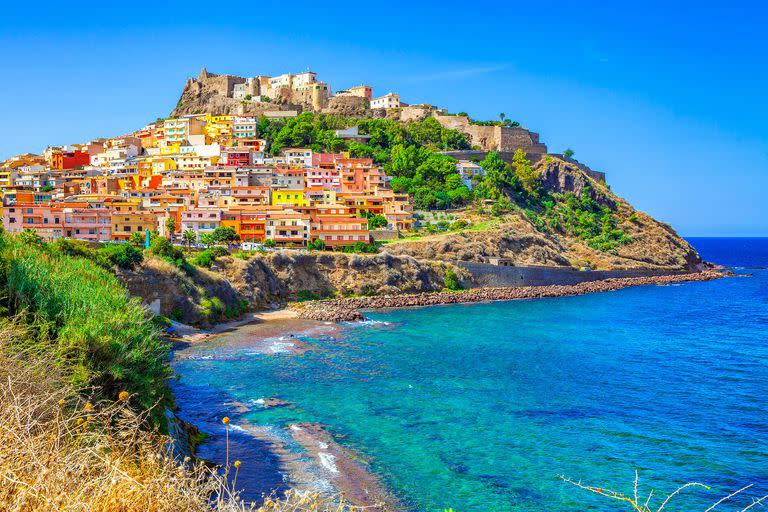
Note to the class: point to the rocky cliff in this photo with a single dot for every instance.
(204, 297)
(654, 244)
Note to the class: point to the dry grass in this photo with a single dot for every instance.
(638, 503)
(60, 452)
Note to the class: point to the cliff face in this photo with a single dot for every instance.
(655, 245)
(285, 275)
(278, 277)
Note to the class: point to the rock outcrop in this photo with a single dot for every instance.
(655, 244)
(278, 277)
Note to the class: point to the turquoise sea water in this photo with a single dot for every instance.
(479, 407)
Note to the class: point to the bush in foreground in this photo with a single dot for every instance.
(87, 323)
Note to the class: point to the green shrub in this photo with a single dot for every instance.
(452, 280)
(123, 255)
(87, 322)
(303, 295)
(203, 259)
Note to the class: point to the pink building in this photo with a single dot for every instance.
(318, 177)
(358, 175)
(92, 224)
(45, 219)
(201, 220)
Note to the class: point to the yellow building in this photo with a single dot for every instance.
(124, 224)
(289, 197)
(219, 129)
(170, 149)
(161, 165)
(131, 204)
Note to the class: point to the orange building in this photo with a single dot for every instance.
(69, 159)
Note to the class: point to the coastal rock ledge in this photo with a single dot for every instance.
(348, 309)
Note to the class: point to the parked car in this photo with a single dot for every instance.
(251, 246)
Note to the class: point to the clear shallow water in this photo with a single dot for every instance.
(478, 407)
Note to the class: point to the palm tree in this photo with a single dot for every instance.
(502, 116)
(170, 227)
(189, 236)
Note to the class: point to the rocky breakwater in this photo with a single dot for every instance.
(348, 309)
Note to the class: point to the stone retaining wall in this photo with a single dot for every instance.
(487, 275)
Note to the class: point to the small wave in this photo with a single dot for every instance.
(281, 347)
(328, 461)
(368, 322)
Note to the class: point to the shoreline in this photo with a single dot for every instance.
(348, 309)
(343, 470)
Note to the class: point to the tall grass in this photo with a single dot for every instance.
(93, 330)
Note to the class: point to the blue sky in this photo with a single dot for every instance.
(668, 98)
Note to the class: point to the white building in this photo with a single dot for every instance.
(468, 170)
(390, 100)
(298, 157)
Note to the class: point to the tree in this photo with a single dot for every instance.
(137, 238)
(568, 153)
(269, 243)
(502, 116)
(225, 234)
(207, 239)
(525, 172)
(316, 245)
(189, 237)
(498, 175)
(377, 221)
(170, 227)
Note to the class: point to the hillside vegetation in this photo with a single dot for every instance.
(551, 213)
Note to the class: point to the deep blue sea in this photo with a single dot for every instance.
(479, 407)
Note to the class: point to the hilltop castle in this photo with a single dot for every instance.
(301, 89)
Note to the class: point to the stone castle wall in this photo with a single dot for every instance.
(494, 138)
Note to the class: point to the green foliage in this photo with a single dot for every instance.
(207, 239)
(47, 188)
(507, 123)
(501, 206)
(204, 259)
(568, 153)
(451, 280)
(137, 238)
(30, 237)
(84, 318)
(584, 217)
(163, 248)
(377, 221)
(124, 256)
(316, 245)
(225, 234)
(360, 247)
(207, 257)
(499, 177)
(409, 153)
(170, 225)
(304, 295)
(269, 243)
(189, 237)
(525, 173)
